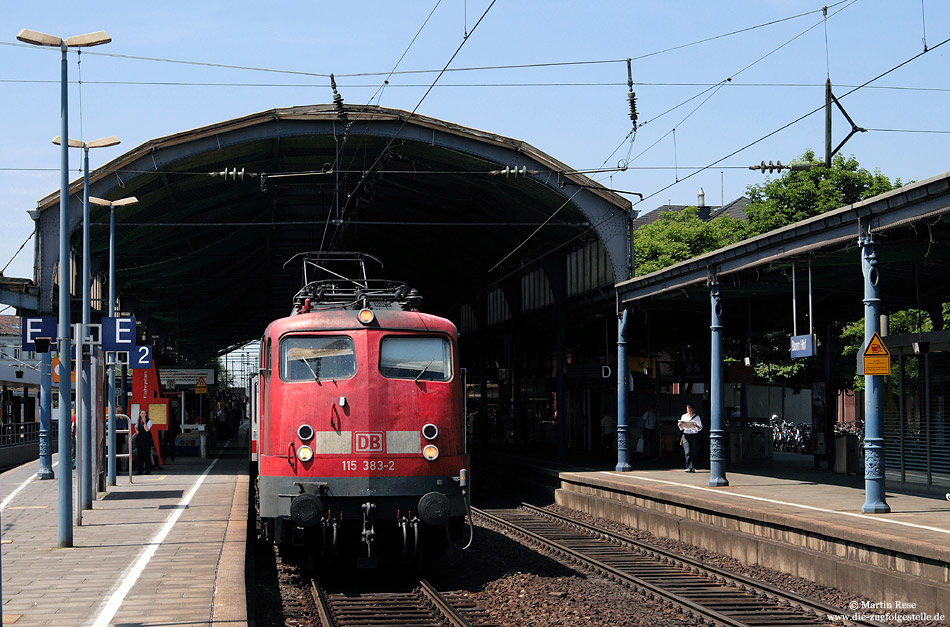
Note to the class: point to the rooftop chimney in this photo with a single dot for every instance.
(702, 198)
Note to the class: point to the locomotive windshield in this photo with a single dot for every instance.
(416, 358)
(317, 357)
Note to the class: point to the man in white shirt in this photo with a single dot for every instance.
(690, 424)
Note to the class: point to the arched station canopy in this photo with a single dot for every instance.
(201, 257)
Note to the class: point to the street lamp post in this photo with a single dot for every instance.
(65, 529)
(82, 369)
(112, 204)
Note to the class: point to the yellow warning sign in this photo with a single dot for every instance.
(877, 359)
(201, 387)
(876, 346)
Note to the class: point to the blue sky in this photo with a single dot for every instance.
(575, 109)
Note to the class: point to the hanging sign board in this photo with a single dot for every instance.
(803, 346)
(876, 358)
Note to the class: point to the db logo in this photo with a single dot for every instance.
(369, 442)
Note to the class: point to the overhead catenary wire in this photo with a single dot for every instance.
(907, 130)
(391, 85)
(712, 90)
(551, 250)
(3, 269)
(418, 104)
(684, 167)
(377, 94)
(251, 68)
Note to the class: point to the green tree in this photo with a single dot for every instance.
(680, 235)
(800, 194)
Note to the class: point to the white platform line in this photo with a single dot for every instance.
(19, 488)
(132, 576)
(798, 505)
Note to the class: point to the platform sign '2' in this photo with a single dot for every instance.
(140, 357)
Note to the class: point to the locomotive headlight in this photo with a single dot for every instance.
(430, 452)
(305, 453)
(366, 316)
(305, 432)
(429, 431)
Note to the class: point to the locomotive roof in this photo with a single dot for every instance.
(346, 319)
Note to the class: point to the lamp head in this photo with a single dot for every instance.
(79, 41)
(96, 143)
(37, 38)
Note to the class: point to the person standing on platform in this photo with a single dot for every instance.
(690, 424)
(142, 444)
(154, 457)
(648, 423)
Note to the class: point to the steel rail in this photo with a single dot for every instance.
(760, 587)
(442, 605)
(423, 606)
(323, 608)
(641, 585)
(744, 605)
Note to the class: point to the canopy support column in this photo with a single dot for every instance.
(717, 465)
(623, 454)
(873, 387)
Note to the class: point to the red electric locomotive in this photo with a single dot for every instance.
(360, 437)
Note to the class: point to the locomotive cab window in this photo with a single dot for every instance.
(317, 357)
(416, 358)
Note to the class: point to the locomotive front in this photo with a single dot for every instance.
(361, 436)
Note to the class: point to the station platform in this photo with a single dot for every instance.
(167, 549)
(782, 514)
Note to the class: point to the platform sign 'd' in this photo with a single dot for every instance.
(877, 359)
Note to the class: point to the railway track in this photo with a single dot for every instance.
(696, 589)
(421, 607)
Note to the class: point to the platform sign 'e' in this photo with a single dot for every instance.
(118, 334)
(140, 357)
(877, 359)
(33, 328)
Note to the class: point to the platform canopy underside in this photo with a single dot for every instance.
(204, 258)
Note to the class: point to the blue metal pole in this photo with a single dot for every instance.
(111, 416)
(717, 466)
(623, 454)
(46, 426)
(82, 364)
(65, 525)
(873, 388)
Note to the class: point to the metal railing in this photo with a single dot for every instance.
(23, 433)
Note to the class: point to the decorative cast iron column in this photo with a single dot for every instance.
(873, 387)
(717, 466)
(623, 455)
